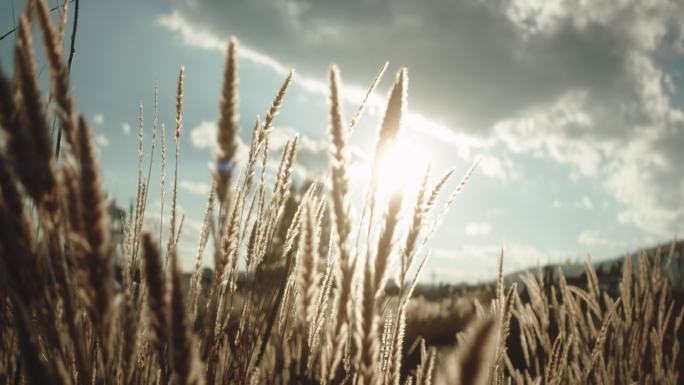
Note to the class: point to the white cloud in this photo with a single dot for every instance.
(199, 188)
(592, 238)
(204, 135)
(311, 159)
(556, 204)
(544, 128)
(587, 203)
(101, 140)
(472, 260)
(126, 128)
(647, 201)
(474, 229)
(98, 119)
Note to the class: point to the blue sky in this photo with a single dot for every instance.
(574, 107)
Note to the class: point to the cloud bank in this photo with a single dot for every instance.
(585, 84)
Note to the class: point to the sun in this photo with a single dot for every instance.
(400, 168)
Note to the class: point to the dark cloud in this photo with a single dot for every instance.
(471, 62)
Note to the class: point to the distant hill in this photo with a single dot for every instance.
(609, 271)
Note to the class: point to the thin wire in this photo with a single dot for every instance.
(11, 31)
(14, 18)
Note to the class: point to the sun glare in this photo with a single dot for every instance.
(400, 168)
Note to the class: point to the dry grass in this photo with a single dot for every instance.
(303, 317)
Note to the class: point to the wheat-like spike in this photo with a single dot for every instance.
(626, 287)
(438, 188)
(229, 247)
(130, 317)
(474, 358)
(179, 232)
(550, 370)
(344, 276)
(139, 198)
(228, 123)
(254, 149)
(281, 188)
(36, 368)
(17, 237)
(58, 72)
(592, 280)
(64, 18)
(500, 282)
(452, 198)
(563, 362)
(462, 183)
(295, 224)
(393, 373)
(177, 134)
(591, 302)
(429, 370)
(414, 230)
(9, 116)
(386, 240)
(162, 180)
(366, 341)
(396, 107)
(600, 338)
(307, 266)
(505, 305)
(477, 356)
(322, 302)
(183, 361)
(339, 158)
(153, 142)
(391, 124)
(204, 237)
(369, 92)
(671, 254)
(386, 342)
(277, 102)
(388, 133)
(96, 256)
(158, 312)
(60, 270)
(281, 191)
(34, 164)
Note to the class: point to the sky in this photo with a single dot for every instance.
(574, 107)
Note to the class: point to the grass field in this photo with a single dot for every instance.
(312, 306)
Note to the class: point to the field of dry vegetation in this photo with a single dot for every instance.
(311, 306)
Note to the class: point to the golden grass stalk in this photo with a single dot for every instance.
(183, 358)
(369, 92)
(307, 266)
(344, 271)
(177, 134)
(227, 123)
(391, 122)
(34, 161)
(386, 240)
(52, 42)
(415, 226)
(95, 258)
(474, 358)
(158, 308)
(365, 335)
